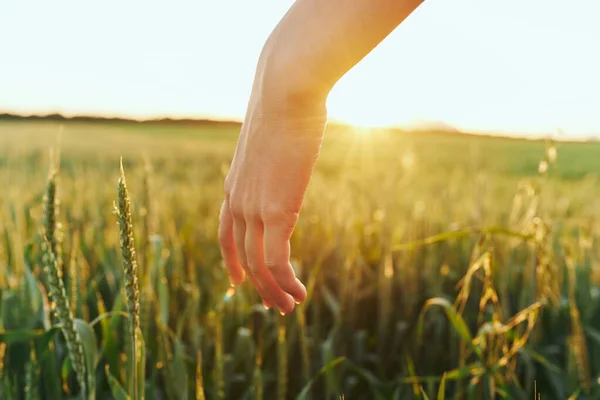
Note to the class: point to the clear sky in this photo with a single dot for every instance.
(487, 65)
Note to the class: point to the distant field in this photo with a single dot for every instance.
(513, 157)
(391, 220)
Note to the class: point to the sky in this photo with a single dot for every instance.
(512, 66)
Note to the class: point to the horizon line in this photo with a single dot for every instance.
(427, 125)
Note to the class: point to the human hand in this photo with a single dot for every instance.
(282, 134)
(264, 190)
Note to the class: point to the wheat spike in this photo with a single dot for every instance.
(132, 291)
(64, 314)
(51, 226)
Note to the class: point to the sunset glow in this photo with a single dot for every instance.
(510, 67)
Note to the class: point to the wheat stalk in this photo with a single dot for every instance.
(74, 284)
(31, 377)
(282, 358)
(579, 347)
(304, 351)
(132, 291)
(199, 378)
(219, 356)
(147, 218)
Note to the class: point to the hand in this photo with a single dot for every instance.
(274, 159)
(282, 134)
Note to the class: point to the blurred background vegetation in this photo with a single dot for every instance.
(437, 264)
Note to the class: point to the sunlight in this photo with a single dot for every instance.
(485, 82)
(362, 130)
(366, 123)
(354, 113)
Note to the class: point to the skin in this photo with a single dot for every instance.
(313, 46)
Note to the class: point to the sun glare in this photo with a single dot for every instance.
(362, 130)
(485, 82)
(362, 120)
(364, 116)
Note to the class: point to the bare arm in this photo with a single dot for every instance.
(311, 48)
(318, 41)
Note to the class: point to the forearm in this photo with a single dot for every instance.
(318, 41)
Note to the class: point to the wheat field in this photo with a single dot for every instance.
(438, 266)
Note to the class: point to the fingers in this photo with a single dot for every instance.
(261, 253)
(256, 262)
(228, 248)
(239, 239)
(277, 260)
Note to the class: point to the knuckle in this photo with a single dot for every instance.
(237, 213)
(228, 196)
(271, 264)
(227, 189)
(252, 214)
(274, 213)
(236, 209)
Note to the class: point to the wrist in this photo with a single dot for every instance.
(284, 78)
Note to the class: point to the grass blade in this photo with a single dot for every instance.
(118, 393)
(303, 395)
(457, 321)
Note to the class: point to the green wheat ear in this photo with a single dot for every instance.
(51, 226)
(64, 314)
(52, 266)
(130, 265)
(132, 291)
(50, 218)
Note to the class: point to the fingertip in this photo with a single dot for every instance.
(300, 292)
(267, 305)
(283, 300)
(289, 283)
(235, 271)
(287, 305)
(236, 279)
